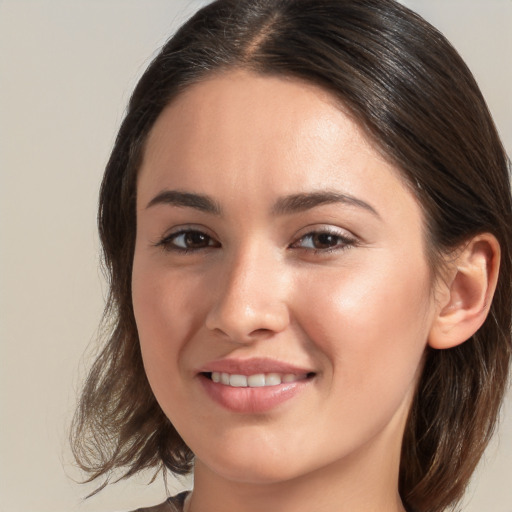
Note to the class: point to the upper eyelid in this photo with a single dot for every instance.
(323, 228)
(191, 228)
(167, 239)
(304, 232)
(346, 239)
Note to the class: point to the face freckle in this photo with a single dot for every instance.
(273, 239)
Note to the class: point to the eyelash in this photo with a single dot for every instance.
(167, 243)
(343, 241)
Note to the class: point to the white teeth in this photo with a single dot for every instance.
(238, 381)
(257, 380)
(272, 379)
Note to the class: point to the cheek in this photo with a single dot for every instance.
(161, 297)
(160, 302)
(373, 327)
(170, 307)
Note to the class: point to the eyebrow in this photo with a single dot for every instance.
(188, 200)
(287, 205)
(302, 202)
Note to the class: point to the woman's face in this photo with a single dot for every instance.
(280, 286)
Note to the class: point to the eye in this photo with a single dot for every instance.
(187, 240)
(324, 241)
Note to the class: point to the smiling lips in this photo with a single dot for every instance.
(252, 386)
(257, 380)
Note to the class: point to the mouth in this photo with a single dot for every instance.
(253, 386)
(256, 380)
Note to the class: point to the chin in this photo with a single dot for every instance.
(257, 463)
(245, 462)
(254, 474)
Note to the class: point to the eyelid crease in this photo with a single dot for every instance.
(165, 242)
(343, 240)
(347, 240)
(328, 228)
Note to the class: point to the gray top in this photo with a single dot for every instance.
(173, 504)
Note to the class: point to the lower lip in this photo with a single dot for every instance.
(252, 400)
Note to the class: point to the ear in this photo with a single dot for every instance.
(467, 293)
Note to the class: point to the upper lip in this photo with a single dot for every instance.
(252, 366)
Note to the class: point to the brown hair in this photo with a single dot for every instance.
(420, 105)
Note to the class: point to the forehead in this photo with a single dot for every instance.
(243, 133)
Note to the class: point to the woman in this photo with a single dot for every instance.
(306, 224)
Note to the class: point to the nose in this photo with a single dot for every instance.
(250, 298)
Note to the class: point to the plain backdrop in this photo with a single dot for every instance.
(67, 69)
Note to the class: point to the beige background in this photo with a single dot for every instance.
(66, 72)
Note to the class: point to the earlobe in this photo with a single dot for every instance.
(467, 292)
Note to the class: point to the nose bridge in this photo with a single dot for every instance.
(250, 297)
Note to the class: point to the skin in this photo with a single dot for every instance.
(355, 308)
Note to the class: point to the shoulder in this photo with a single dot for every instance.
(173, 504)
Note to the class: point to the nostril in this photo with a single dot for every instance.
(261, 333)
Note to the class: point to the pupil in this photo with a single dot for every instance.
(195, 239)
(325, 239)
